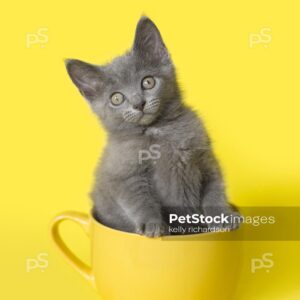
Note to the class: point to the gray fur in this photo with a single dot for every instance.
(135, 196)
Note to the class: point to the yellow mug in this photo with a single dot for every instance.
(127, 266)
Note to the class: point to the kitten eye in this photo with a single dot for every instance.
(117, 99)
(148, 83)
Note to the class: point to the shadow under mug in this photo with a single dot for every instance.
(127, 266)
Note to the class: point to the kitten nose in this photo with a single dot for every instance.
(140, 105)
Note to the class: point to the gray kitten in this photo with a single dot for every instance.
(158, 157)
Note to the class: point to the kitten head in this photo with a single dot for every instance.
(134, 89)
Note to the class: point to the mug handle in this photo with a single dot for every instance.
(84, 221)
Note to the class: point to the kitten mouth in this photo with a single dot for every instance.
(146, 118)
(150, 112)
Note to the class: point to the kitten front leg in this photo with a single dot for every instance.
(141, 206)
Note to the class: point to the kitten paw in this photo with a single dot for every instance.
(152, 229)
(230, 219)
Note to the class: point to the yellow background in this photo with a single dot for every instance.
(50, 141)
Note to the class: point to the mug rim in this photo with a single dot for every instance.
(126, 233)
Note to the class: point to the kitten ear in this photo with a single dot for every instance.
(148, 42)
(85, 76)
